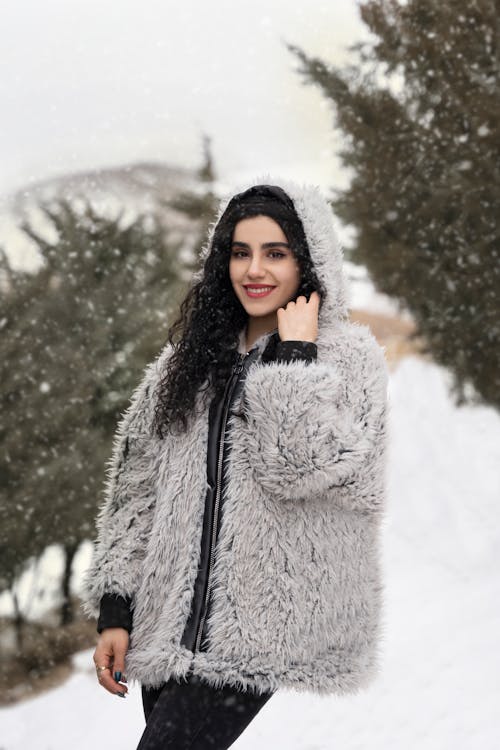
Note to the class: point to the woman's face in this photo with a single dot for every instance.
(261, 257)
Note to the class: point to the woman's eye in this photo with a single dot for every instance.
(275, 253)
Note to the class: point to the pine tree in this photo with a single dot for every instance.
(198, 205)
(419, 114)
(76, 335)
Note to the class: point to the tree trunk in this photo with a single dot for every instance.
(66, 608)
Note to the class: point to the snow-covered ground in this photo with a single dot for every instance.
(364, 295)
(440, 686)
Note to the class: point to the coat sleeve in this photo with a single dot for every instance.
(124, 519)
(115, 612)
(287, 350)
(313, 426)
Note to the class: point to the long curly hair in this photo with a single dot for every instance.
(211, 316)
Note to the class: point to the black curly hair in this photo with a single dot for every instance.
(211, 316)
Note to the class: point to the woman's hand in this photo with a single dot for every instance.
(299, 320)
(110, 652)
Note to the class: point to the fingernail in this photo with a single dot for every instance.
(117, 676)
(122, 695)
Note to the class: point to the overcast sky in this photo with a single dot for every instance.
(87, 83)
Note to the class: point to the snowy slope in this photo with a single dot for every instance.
(440, 685)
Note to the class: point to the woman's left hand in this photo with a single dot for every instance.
(298, 321)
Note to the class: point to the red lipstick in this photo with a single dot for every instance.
(253, 290)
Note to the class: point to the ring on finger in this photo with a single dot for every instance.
(101, 669)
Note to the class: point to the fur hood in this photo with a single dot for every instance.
(297, 584)
(319, 227)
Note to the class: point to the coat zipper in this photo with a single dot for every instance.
(237, 368)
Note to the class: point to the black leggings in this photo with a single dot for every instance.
(193, 715)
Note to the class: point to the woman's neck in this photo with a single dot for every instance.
(257, 327)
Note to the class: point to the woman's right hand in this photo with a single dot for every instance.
(110, 652)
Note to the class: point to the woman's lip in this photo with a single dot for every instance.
(254, 295)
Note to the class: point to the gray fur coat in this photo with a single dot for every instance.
(298, 588)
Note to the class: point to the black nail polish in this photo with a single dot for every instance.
(117, 676)
(122, 695)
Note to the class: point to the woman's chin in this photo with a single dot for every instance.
(260, 310)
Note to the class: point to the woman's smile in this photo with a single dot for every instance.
(258, 290)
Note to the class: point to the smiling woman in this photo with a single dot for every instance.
(240, 550)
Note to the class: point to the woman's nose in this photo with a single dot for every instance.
(256, 268)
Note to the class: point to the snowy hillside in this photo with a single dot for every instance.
(132, 189)
(440, 685)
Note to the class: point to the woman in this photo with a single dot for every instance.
(238, 545)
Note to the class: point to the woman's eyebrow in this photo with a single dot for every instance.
(264, 246)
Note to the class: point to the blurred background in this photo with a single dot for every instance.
(122, 124)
